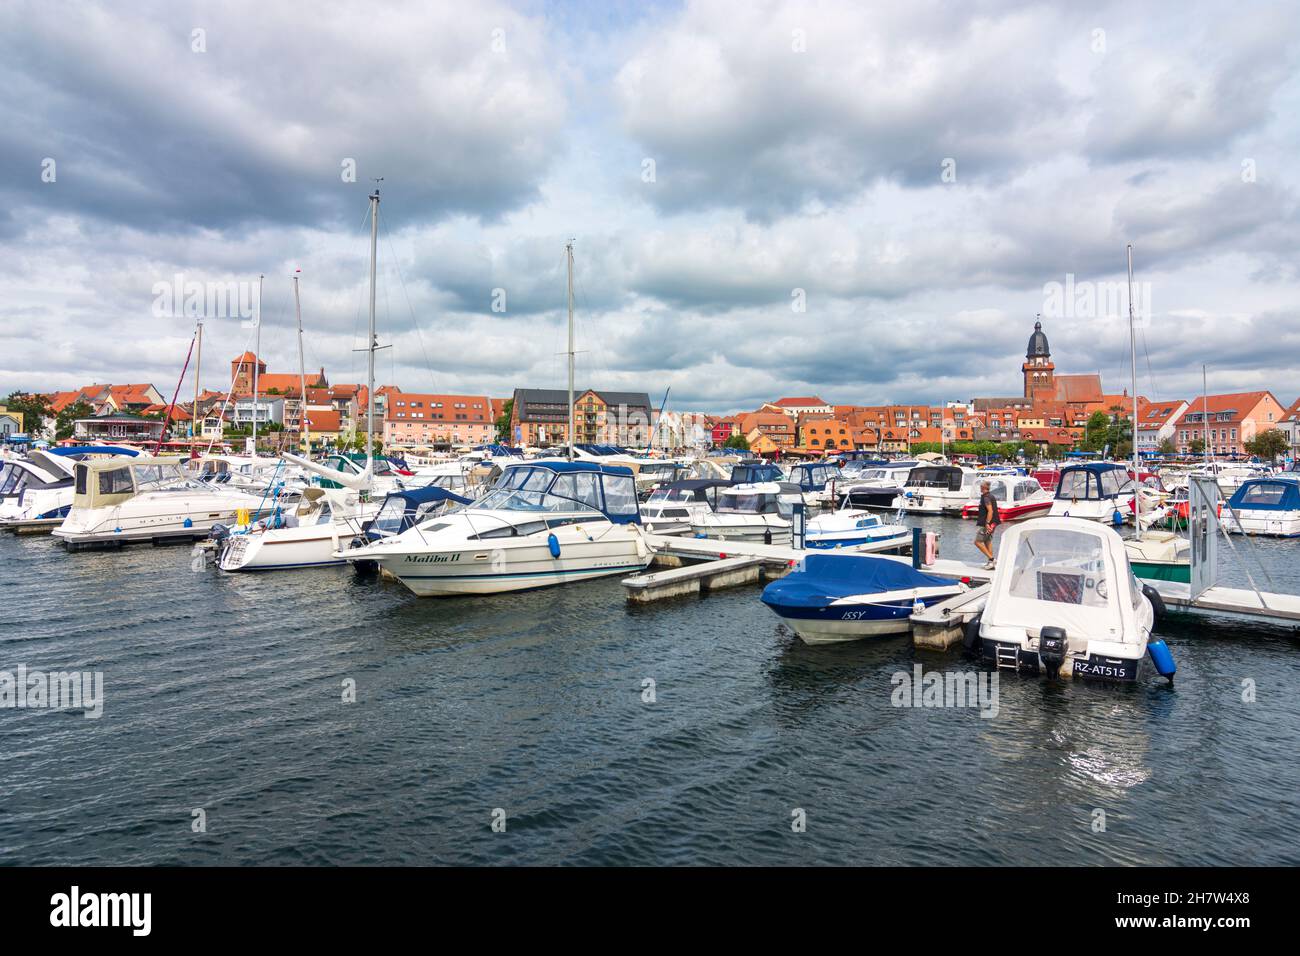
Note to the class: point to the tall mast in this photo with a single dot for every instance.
(370, 362)
(198, 370)
(257, 359)
(1132, 349)
(1205, 413)
(568, 247)
(304, 427)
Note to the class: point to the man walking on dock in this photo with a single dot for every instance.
(986, 519)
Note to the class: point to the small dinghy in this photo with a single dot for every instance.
(830, 598)
(1064, 600)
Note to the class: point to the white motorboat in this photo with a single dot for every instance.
(854, 527)
(1064, 600)
(545, 523)
(936, 489)
(762, 512)
(148, 499)
(1097, 491)
(36, 491)
(876, 486)
(1230, 476)
(1018, 497)
(1265, 506)
(672, 508)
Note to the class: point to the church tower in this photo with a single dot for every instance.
(1038, 367)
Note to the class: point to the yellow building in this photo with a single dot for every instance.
(11, 423)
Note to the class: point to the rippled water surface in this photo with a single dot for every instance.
(224, 692)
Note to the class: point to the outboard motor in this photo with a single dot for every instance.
(1052, 648)
(219, 532)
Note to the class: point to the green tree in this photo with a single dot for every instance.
(1268, 445)
(1167, 447)
(503, 421)
(64, 423)
(1094, 432)
(737, 441)
(34, 409)
(1197, 446)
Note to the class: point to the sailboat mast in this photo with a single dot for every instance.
(568, 247)
(370, 363)
(1205, 412)
(257, 359)
(1132, 354)
(304, 427)
(198, 371)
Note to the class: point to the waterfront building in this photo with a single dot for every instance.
(540, 417)
(428, 420)
(11, 423)
(1226, 422)
(1157, 422)
(795, 407)
(117, 427)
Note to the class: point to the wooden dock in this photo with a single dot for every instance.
(35, 526)
(702, 564)
(1239, 602)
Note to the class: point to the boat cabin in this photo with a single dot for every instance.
(765, 498)
(566, 486)
(1094, 481)
(749, 473)
(405, 509)
(942, 477)
(814, 476)
(111, 481)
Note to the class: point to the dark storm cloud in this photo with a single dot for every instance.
(256, 127)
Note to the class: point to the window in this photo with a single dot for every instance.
(116, 482)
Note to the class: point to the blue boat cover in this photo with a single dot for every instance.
(94, 450)
(1281, 493)
(414, 497)
(827, 577)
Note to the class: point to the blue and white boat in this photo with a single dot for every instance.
(853, 527)
(1266, 506)
(1097, 491)
(831, 598)
(37, 491)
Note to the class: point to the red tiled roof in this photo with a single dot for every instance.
(401, 405)
(322, 421)
(797, 402)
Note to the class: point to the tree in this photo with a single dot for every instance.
(1094, 432)
(64, 423)
(503, 421)
(34, 409)
(1197, 446)
(1167, 447)
(1268, 445)
(737, 441)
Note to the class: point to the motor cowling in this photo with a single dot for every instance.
(1053, 646)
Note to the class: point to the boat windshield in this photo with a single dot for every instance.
(540, 489)
(748, 504)
(1061, 566)
(662, 495)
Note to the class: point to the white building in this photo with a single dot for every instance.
(1156, 423)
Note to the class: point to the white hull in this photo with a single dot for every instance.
(839, 632)
(749, 528)
(1279, 524)
(150, 517)
(515, 567)
(1090, 510)
(933, 502)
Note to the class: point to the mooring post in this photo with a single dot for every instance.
(917, 550)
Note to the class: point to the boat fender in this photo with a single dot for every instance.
(1157, 602)
(970, 640)
(553, 543)
(187, 523)
(1162, 658)
(1117, 518)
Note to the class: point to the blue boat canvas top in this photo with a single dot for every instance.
(1281, 493)
(823, 578)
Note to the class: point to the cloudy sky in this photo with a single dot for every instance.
(865, 201)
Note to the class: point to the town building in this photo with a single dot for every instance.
(426, 420)
(794, 407)
(540, 417)
(11, 423)
(1291, 427)
(1226, 422)
(1157, 422)
(117, 427)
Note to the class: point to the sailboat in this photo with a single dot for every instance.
(1153, 555)
(545, 523)
(328, 518)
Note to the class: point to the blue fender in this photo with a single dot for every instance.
(553, 543)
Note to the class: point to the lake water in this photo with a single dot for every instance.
(224, 693)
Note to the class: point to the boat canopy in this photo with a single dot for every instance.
(75, 450)
(689, 489)
(1006, 488)
(947, 477)
(111, 481)
(405, 509)
(566, 486)
(1092, 482)
(1267, 494)
(814, 476)
(1064, 572)
(821, 578)
(749, 473)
